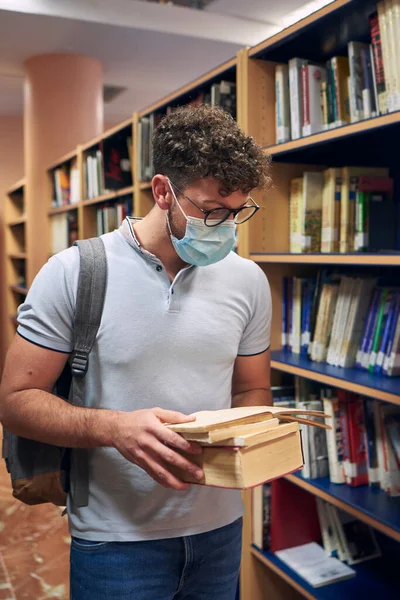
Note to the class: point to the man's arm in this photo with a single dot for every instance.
(29, 409)
(251, 380)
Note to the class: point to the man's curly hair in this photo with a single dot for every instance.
(193, 143)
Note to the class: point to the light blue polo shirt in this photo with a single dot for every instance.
(171, 345)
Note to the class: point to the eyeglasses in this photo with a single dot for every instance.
(216, 216)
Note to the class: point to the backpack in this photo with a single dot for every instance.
(42, 472)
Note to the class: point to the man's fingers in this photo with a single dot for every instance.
(171, 438)
(168, 455)
(172, 416)
(161, 475)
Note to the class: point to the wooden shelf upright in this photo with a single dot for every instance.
(265, 239)
(16, 257)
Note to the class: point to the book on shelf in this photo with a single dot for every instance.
(357, 321)
(66, 188)
(311, 562)
(64, 231)
(362, 445)
(352, 209)
(344, 536)
(110, 215)
(107, 167)
(244, 447)
(344, 89)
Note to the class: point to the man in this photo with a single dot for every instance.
(185, 327)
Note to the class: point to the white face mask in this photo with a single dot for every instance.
(202, 245)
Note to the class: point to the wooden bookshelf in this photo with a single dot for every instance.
(15, 253)
(265, 239)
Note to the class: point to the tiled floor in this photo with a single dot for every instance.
(34, 548)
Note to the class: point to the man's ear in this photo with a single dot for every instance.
(162, 192)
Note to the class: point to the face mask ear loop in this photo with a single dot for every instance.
(176, 200)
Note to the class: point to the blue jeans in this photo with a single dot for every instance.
(197, 567)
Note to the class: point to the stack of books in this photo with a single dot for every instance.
(244, 447)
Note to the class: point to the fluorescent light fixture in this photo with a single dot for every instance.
(304, 11)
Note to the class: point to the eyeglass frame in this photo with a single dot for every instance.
(232, 211)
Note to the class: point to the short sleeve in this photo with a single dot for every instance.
(47, 315)
(257, 334)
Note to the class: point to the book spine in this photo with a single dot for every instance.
(384, 37)
(386, 327)
(296, 100)
(367, 91)
(356, 78)
(282, 104)
(394, 360)
(334, 441)
(371, 443)
(367, 325)
(371, 334)
(380, 323)
(358, 459)
(392, 332)
(305, 92)
(378, 62)
(344, 428)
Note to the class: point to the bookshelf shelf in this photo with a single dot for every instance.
(63, 209)
(19, 289)
(357, 259)
(339, 133)
(374, 507)
(145, 185)
(16, 222)
(18, 255)
(17, 187)
(107, 134)
(63, 159)
(374, 578)
(109, 196)
(185, 90)
(386, 389)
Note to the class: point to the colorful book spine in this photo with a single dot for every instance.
(380, 326)
(393, 327)
(282, 104)
(367, 327)
(378, 62)
(357, 468)
(344, 428)
(371, 334)
(371, 443)
(386, 332)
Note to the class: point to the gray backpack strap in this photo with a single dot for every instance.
(92, 285)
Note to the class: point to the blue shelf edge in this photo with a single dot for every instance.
(374, 578)
(375, 503)
(388, 385)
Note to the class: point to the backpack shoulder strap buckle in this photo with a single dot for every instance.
(79, 364)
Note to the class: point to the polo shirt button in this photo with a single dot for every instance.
(159, 268)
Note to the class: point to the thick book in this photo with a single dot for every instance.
(274, 455)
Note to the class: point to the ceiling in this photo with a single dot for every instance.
(147, 48)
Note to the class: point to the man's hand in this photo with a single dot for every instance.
(142, 438)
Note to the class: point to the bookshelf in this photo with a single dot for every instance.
(266, 240)
(144, 122)
(16, 255)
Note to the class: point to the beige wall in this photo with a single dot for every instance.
(11, 170)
